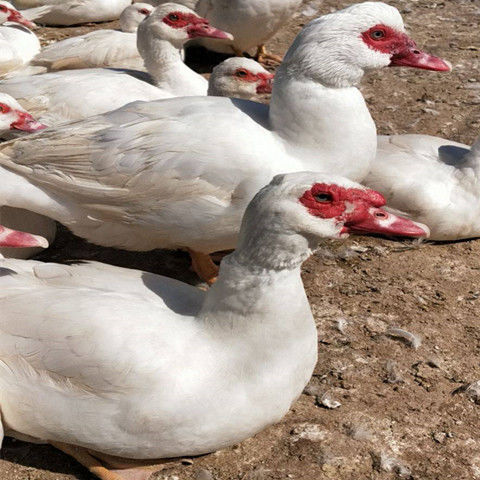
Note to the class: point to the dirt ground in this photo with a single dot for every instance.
(403, 406)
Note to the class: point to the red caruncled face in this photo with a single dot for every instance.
(330, 201)
(264, 79)
(359, 211)
(402, 49)
(196, 26)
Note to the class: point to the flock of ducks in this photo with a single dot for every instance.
(113, 135)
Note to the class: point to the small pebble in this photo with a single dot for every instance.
(308, 431)
(410, 339)
(473, 392)
(328, 402)
(440, 437)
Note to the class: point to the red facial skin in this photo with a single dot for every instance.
(263, 80)
(16, 239)
(402, 49)
(16, 16)
(24, 122)
(196, 26)
(364, 214)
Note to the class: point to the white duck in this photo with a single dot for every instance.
(179, 173)
(18, 45)
(57, 97)
(100, 48)
(251, 22)
(240, 77)
(14, 118)
(104, 360)
(435, 181)
(72, 12)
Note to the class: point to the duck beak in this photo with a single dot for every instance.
(26, 123)
(410, 56)
(17, 17)
(379, 221)
(16, 239)
(204, 29)
(266, 83)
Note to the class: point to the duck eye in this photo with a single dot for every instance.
(173, 17)
(241, 73)
(377, 34)
(3, 108)
(323, 197)
(3, 8)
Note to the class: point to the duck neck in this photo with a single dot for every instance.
(322, 122)
(164, 63)
(260, 282)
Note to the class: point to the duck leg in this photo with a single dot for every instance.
(262, 56)
(107, 467)
(204, 266)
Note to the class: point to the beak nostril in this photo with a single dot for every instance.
(381, 215)
(416, 52)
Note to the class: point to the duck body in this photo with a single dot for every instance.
(100, 48)
(18, 45)
(73, 12)
(181, 199)
(137, 395)
(58, 97)
(435, 181)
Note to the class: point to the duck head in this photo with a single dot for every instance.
(133, 15)
(8, 13)
(177, 24)
(337, 49)
(241, 78)
(14, 117)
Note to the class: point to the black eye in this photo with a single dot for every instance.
(323, 197)
(241, 73)
(173, 17)
(377, 34)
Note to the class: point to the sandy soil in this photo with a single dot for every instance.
(404, 412)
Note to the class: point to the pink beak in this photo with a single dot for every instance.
(382, 222)
(203, 29)
(17, 17)
(16, 239)
(266, 83)
(412, 57)
(26, 123)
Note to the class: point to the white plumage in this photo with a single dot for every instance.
(72, 12)
(435, 181)
(100, 48)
